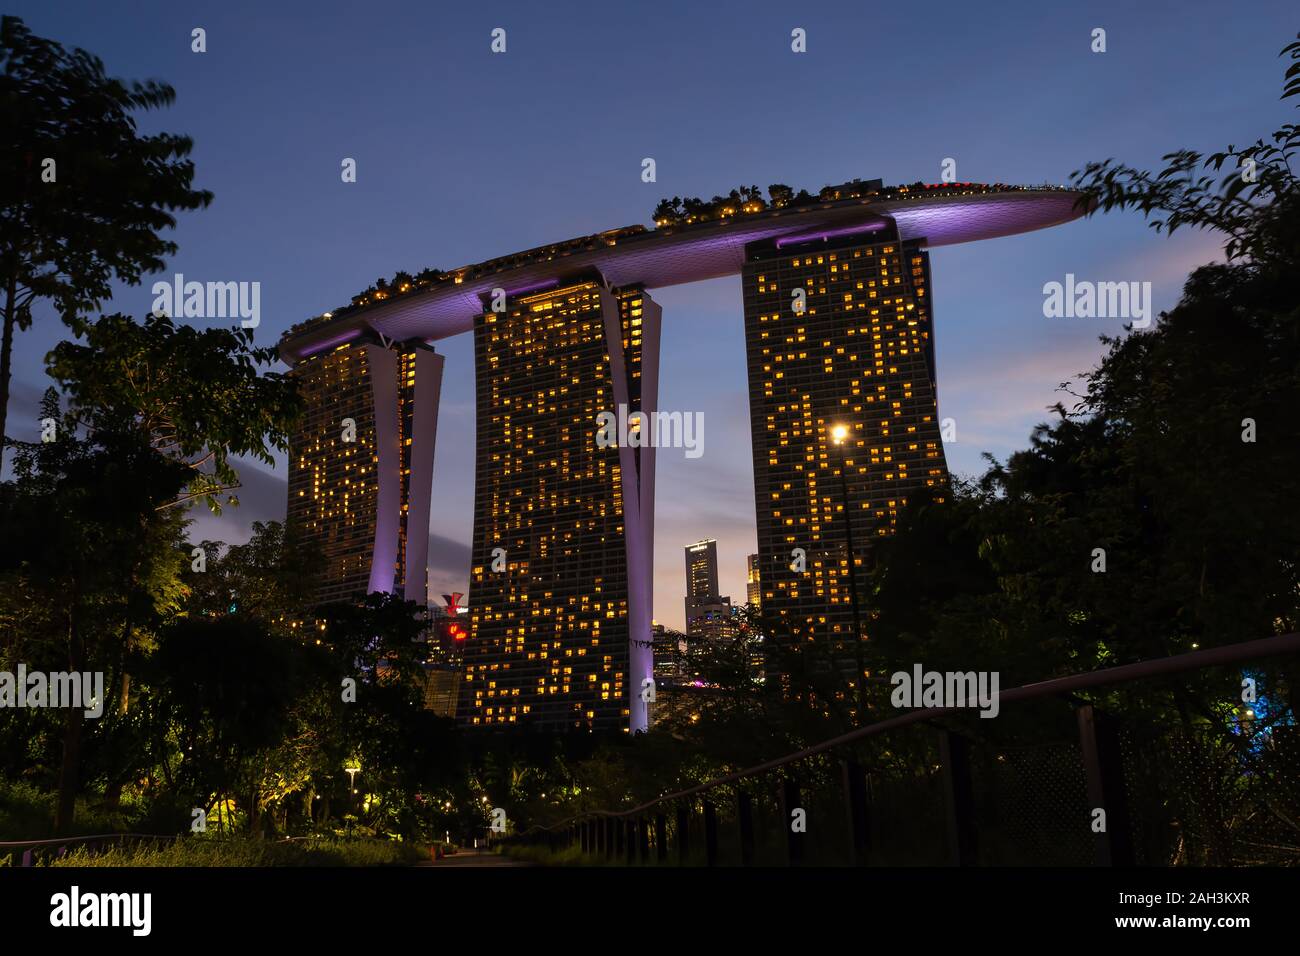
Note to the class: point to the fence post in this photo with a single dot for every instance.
(629, 828)
(794, 842)
(661, 838)
(611, 838)
(1103, 765)
(710, 834)
(745, 817)
(855, 803)
(959, 797)
(683, 833)
(643, 838)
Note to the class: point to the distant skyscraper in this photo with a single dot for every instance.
(361, 466)
(701, 571)
(708, 613)
(859, 354)
(753, 585)
(560, 575)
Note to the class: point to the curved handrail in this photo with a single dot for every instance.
(1120, 674)
(64, 841)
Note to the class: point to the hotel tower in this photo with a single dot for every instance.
(361, 466)
(560, 571)
(838, 335)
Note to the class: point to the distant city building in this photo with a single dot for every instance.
(708, 613)
(703, 605)
(560, 575)
(702, 570)
(753, 584)
(859, 354)
(361, 466)
(445, 643)
(670, 658)
(441, 690)
(714, 621)
(448, 631)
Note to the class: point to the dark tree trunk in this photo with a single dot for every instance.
(69, 770)
(6, 354)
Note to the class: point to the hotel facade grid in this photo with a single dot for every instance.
(859, 354)
(560, 618)
(361, 466)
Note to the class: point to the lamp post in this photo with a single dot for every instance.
(352, 784)
(838, 435)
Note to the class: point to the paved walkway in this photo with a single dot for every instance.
(475, 858)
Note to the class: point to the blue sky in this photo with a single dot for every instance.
(463, 155)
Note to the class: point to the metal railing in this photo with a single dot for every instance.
(1103, 751)
(33, 851)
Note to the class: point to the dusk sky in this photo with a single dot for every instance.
(463, 155)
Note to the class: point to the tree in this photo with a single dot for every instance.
(272, 577)
(196, 395)
(155, 414)
(229, 686)
(94, 559)
(668, 210)
(780, 194)
(83, 196)
(400, 748)
(1179, 399)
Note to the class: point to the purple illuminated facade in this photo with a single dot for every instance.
(361, 466)
(363, 500)
(678, 254)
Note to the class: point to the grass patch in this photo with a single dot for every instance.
(569, 856)
(214, 851)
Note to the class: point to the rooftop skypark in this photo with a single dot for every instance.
(670, 217)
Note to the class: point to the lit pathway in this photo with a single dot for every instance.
(474, 858)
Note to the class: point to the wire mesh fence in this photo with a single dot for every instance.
(1062, 783)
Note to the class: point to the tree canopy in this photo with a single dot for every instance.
(83, 195)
